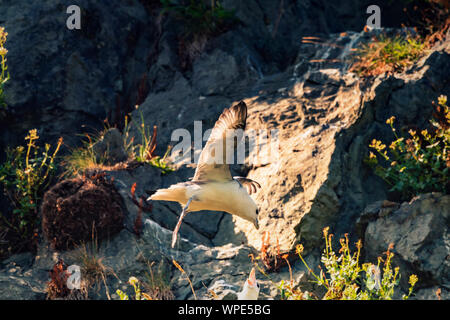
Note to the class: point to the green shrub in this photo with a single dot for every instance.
(25, 175)
(419, 163)
(199, 17)
(4, 75)
(344, 278)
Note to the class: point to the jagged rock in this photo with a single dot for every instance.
(315, 176)
(214, 72)
(353, 183)
(102, 71)
(110, 148)
(419, 231)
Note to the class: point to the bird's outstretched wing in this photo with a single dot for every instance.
(251, 185)
(212, 164)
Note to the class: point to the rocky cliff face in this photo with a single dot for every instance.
(53, 81)
(68, 81)
(313, 176)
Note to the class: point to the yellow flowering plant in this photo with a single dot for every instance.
(344, 278)
(418, 162)
(4, 75)
(138, 294)
(25, 175)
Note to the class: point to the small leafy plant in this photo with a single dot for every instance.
(143, 152)
(345, 279)
(387, 55)
(419, 163)
(4, 75)
(154, 287)
(25, 175)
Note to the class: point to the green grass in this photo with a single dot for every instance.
(144, 151)
(387, 55)
(83, 158)
(200, 17)
(141, 150)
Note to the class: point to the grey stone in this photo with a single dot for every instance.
(214, 72)
(419, 231)
(20, 288)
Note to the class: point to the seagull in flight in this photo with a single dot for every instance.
(213, 187)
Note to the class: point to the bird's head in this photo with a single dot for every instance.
(250, 291)
(251, 281)
(248, 210)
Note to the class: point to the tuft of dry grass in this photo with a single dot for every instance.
(94, 272)
(82, 158)
(156, 285)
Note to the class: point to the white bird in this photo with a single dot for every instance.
(213, 187)
(250, 291)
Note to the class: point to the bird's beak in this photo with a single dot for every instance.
(256, 223)
(149, 198)
(252, 278)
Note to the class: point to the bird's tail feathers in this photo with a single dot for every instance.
(173, 193)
